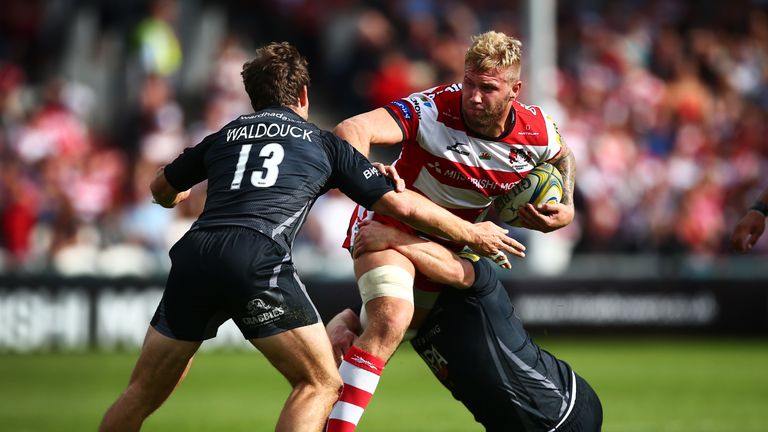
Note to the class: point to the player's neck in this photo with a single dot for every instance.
(500, 128)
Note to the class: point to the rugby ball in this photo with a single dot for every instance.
(543, 184)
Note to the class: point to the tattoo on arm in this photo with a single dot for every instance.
(566, 164)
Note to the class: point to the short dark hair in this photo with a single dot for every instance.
(275, 76)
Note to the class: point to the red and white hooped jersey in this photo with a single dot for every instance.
(458, 169)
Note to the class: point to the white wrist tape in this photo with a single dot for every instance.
(386, 281)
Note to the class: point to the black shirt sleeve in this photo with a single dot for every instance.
(353, 174)
(485, 276)
(188, 169)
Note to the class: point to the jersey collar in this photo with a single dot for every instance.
(507, 130)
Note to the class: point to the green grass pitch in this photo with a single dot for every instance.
(645, 385)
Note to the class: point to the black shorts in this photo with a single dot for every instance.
(231, 272)
(479, 350)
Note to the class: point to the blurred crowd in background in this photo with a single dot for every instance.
(664, 102)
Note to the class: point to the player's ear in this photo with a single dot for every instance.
(304, 97)
(302, 107)
(517, 85)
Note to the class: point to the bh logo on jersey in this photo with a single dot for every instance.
(261, 312)
(371, 172)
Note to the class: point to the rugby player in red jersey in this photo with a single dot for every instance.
(463, 145)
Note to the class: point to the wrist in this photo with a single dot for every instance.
(760, 207)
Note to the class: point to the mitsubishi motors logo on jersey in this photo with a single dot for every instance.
(435, 167)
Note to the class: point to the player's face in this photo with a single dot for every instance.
(486, 98)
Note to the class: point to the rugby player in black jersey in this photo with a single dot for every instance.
(476, 346)
(264, 172)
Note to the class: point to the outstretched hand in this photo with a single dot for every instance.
(748, 231)
(545, 217)
(492, 241)
(390, 172)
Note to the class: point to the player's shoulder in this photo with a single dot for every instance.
(529, 114)
(429, 104)
(443, 94)
(333, 146)
(532, 123)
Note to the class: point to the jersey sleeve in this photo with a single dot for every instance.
(353, 174)
(554, 144)
(485, 275)
(410, 111)
(188, 169)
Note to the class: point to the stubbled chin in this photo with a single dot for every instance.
(475, 120)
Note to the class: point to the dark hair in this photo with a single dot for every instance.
(275, 76)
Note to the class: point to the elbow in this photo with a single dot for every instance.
(396, 205)
(162, 193)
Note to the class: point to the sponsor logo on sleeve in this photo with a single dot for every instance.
(371, 172)
(404, 108)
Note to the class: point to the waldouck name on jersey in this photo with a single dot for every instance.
(269, 130)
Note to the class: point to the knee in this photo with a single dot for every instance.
(389, 327)
(143, 398)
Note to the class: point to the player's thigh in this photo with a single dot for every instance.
(162, 361)
(302, 355)
(384, 273)
(372, 260)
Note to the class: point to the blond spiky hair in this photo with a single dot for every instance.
(494, 50)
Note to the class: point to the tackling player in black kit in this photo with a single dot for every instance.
(476, 346)
(264, 172)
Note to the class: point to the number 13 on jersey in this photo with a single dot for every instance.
(271, 154)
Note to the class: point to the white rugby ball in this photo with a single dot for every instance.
(543, 184)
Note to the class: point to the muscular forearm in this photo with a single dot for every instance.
(433, 260)
(424, 215)
(163, 193)
(566, 164)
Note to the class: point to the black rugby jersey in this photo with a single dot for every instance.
(266, 169)
(538, 382)
(477, 347)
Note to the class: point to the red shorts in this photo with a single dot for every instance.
(360, 214)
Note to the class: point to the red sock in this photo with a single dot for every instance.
(360, 372)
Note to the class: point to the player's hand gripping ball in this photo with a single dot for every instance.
(544, 184)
